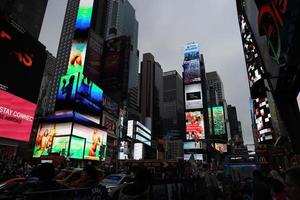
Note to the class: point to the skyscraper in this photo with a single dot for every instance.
(173, 105)
(29, 14)
(151, 94)
(121, 21)
(235, 125)
(214, 81)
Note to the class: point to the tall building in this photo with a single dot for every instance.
(235, 124)
(214, 81)
(173, 106)
(66, 37)
(121, 21)
(151, 94)
(47, 82)
(29, 14)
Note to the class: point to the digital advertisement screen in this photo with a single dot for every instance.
(196, 156)
(124, 150)
(89, 90)
(298, 101)
(262, 119)
(22, 63)
(192, 72)
(194, 123)
(221, 147)
(67, 87)
(194, 145)
(138, 151)
(16, 117)
(95, 144)
(114, 60)
(219, 122)
(79, 44)
(109, 123)
(77, 147)
(45, 136)
(191, 51)
(193, 96)
(60, 145)
(93, 63)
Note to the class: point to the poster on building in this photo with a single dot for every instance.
(193, 96)
(219, 120)
(194, 123)
(192, 71)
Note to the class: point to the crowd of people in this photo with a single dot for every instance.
(213, 184)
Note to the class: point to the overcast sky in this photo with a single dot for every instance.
(165, 26)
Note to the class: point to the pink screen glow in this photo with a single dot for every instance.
(16, 117)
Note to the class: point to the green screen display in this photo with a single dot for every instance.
(60, 145)
(219, 123)
(77, 147)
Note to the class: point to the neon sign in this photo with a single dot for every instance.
(270, 22)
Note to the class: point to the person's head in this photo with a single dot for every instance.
(46, 132)
(46, 172)
(292, 180)
(90, 172)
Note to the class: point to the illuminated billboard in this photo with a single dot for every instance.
(16, 117)
(192, 71)
(124, 150)
(193, 96)
(85, 142)
(138, 151)
(45, 136)
(109, 123)
(194, 124)
(262, 119)
(22, 63)
(194, 145)
(218, 120)
(221, 147)
(95, 144)
(196, 156)
(67, 87)
(191, 51)
(77, 147)
(79, 43)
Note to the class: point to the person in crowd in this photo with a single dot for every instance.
(277, 186)
(260, 188)
(292, 180)
(139, 189)
(89, 177)
(46, 175)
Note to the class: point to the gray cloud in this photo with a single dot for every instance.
(165, 26)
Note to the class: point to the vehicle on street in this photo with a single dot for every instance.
(113, 181)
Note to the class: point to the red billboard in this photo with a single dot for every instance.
(194, 122)
(16, 117)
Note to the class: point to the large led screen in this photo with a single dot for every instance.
(22, 62)
(67, 87)
(194, 145)
(79, 44)
(109, 123)
(191, 51)
(262, 119)
(192, 72)
(193, 96)
(138, 151)
(219, 122)
(196, 156)
(45, 136)
(96, 141)
(77, 147)
(60, 145)
(194, 124)
(16, 117)
(89, 90)
(221, 147)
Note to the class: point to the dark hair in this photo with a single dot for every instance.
(294, 175)
(46, 172)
